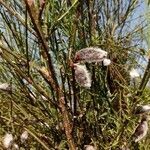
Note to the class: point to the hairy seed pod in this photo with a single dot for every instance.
(134, 73)
(24, 136)
(142, 109)
(82, 76)
(106, 62)
(5, 87)
(90, 54)
(8, 140)
(141, 130)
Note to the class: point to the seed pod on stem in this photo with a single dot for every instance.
(141, 130)
(134, 73)
(7, 140)
(5, 87)
(90, 54)
(82, 76)
(106, 62)
(142, 109)
(24, 136)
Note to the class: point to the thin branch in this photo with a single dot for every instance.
(17, 15)
(145, 78)
(32, 14)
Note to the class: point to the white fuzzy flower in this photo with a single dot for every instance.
(90, 54)
(146, 107)
(24, 136)
(82, 75)
(106, 62)
(134, 73)
(142, 109)
(89, 147)
(8, 140)
(5, 87)
(141, 130)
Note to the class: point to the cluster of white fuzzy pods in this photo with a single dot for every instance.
(142, 128)
(88, 55)
(9, 143)
(83, 78)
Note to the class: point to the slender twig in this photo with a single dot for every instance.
(17, 15)
(32, 13)
(27, 50)
(145, 78)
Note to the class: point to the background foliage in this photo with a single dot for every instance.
(38, 41)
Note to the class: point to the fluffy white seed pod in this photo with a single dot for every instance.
(142, 109)
(24, 136)
(7, 140)
(90, 54)
(89, 147)
(134, 73)
(5, 87)
(106, 62)
(141, 130)
(82, 76)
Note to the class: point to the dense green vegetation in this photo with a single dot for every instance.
(38, 43)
